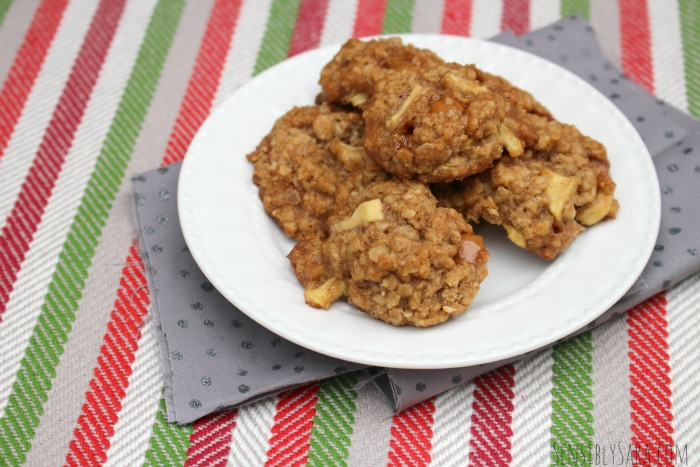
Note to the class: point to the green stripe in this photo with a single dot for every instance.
(398, 17)
(690, 29)
(333, 422)
(38, 365)
(572, 401)
(576, 7)
(4, 6)
(278, 34)
(169, 441)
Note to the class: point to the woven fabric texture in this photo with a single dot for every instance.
(94, 92)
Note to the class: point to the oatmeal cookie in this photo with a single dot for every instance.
(522, 110)
(312, 158)
(394, 254)
(352, 75)
(545, 198)
(519, 101)
(441, 124)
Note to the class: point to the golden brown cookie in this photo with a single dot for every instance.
(518, 132)
(436, 125)
(519, 101)
(544, 198)
(351, 76)
(312, 158)
(394, 254)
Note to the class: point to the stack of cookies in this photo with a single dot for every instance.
(378, 182)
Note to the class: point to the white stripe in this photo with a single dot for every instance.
(452, 426)
(31, 285)
(250, 439)
(41, 102)
(612, 419)
(427, 16)
(667, 52)
(684, 348)
(544, 12)
(532, 410)
(371, 434)
(340, 21)
(245, 43)
(486, 18)
(605, 19)
(132, 431)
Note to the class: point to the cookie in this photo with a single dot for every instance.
(394, 254)
(353, 73)
(546, 197)
(436, 125)
(518, 101)
(312, 158)
(521, 108)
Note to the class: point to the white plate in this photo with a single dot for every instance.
(524, 303)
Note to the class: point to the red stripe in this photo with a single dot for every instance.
(27, 64)
(457, 17)
(291, 432)
(635, 34)
(37, 187)
(101, 409)
(647, 324)
(516, 16)
(309, 26)
(649, 374)
(204, 81)
(492, 417)
(369, 18)
(411, 435)
(108, 386)
(210, 440)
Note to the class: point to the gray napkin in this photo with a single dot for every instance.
(214, 357)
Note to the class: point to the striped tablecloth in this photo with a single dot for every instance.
(94, 92)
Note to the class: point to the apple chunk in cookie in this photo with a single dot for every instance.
(395, 255)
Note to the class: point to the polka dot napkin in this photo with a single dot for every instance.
(214, 357)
